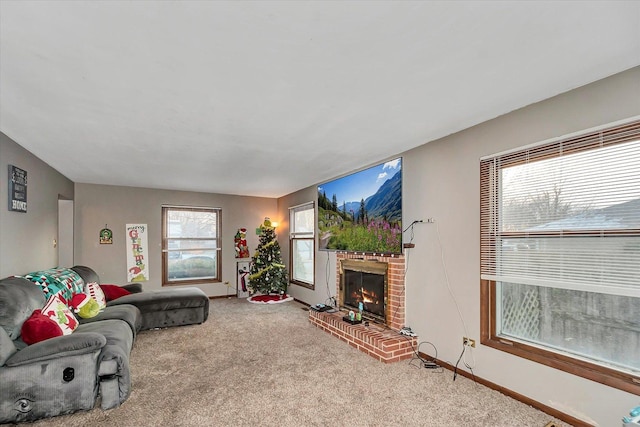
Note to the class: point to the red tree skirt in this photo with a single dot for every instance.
(269, 299)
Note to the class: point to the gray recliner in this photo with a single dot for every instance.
(63, 374)
(69, 373)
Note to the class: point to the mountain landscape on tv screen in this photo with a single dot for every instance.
(371, 224)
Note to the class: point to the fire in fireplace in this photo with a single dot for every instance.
(366, 282)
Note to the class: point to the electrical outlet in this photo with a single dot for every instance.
(431, 220)
(469, 342)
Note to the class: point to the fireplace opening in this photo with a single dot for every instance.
(366, 282)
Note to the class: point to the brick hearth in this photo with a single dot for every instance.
(385, 344)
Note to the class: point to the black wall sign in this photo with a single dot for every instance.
(17, 189)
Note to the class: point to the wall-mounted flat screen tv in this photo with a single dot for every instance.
(362, 212)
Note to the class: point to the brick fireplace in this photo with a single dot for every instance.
(379, 340)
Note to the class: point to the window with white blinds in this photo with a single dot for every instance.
(565, 214)
(560, 254)
(191, 245)
(302, 244)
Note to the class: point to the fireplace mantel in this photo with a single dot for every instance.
(364, 266)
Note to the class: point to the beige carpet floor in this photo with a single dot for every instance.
(252, 365)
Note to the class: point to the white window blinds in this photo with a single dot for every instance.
(302, 221)
(565, 214)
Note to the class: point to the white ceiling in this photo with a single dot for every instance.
(265, 98)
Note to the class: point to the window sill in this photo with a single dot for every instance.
(608, 376)
(303, 284)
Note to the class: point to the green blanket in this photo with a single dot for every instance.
(58, 280)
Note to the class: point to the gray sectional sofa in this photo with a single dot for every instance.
(74, 372)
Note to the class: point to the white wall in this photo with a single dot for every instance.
(441, 180)
(26, 239)
(97, 205)
(65, 232)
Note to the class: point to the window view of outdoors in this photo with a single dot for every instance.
(568, 252)
(192, 242)
(302, 220)
(303, 260)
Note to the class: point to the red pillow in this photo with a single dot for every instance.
(112, 292)
(38, 328)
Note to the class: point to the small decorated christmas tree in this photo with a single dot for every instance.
(268, 274)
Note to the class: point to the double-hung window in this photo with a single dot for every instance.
(302, 244)
(190, 245)
(560, 254)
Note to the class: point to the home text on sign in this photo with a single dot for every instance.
(17, 189)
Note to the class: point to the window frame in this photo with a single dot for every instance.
(165, 245)
(301, 236)
(489, 189)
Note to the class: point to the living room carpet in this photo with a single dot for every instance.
(252, 365)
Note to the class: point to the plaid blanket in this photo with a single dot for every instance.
(62, 281)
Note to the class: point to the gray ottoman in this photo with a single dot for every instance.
(161, 308)
(168, 307)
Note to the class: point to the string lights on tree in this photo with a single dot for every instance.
(268, 273)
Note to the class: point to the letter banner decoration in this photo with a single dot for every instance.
(137, 253)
